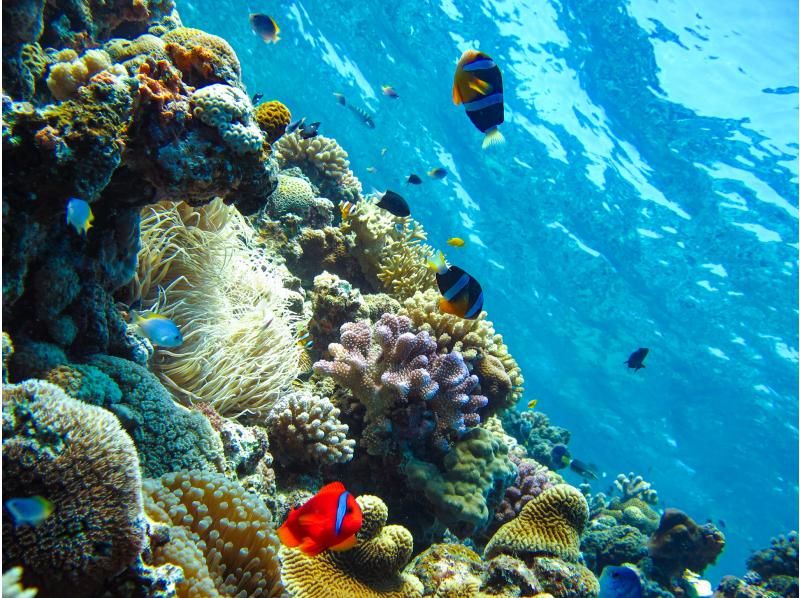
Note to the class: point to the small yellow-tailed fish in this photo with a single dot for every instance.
(159, 330)
(478, 85)
(389, 92)
(532, 404)
(437, 173)
(462, 295)
(79, 215)
(456, 242)
(31, 510)
(265, 27)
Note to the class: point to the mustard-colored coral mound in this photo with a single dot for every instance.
(273, 117)
(501, 376)
(550, 524)
(220, 535)
(66, 77)
(392, 257)
(371, 569)
(202, 57)
(79, 458)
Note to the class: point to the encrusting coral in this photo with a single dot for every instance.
(371, 569)
(273, 118)
(220, 535)
(306, 429)
(228, 110)
(229, 302)
(203, 58)
(78, 457)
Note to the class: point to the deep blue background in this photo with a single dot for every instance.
(646, 196)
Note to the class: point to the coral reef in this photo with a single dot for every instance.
(533, 430)
(606, 542)
(65, 78)
(444, 568)
(203, 58)
(532, 479)
(634, 486)
(781, 558)
(305, 429)
(679, 543)
(372, 568)
(220, 535)
(228, 110)
(273, 118)
(79, 458)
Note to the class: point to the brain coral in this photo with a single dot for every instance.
(228, 110)
(466, 489)
(78, 457)
(550, 524)
(131, 53)
(306, 429)
(323, 161)
(229, 301)
(220, 535)
(370, 569)
(293, 195)
(273, 118)
(202, 57)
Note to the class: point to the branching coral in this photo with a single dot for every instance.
(202, 57)
(220, 535)
(467, 488)
(500, 375)
(306, 429)
(532, 479)
(371, 569)
(229, 302)
(273, 118)
(228, 110)
(634, 486)
(79, 458)
(398, 376)
(323, 161)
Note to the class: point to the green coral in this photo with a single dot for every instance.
(470, 484)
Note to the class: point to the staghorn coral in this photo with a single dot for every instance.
(273, 118)
(323, 161)
(467, 488)
(551, 524)
(397, 374)
(306, 429)
(372, 568)
(228, 300)
(679, 543)
(634, 486)
(203, 58)
(79, 458)
(220, 535)
(228, 110)
(532, 479)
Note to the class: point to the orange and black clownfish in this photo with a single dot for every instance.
(462, 296)
(478, 84)
(329, 520)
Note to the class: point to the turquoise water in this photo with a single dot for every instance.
(646, 196)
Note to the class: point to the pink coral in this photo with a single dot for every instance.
(532, 479)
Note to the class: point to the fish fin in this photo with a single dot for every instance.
(333, 488)
(287, 536)
(313, 520)
(310, 547)
(436, 262)
(480, 86)
(456, 308)
(493, 137)
(277, 29)
(347, 544)
(457, 99)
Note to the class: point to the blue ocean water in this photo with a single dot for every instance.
(646, 196)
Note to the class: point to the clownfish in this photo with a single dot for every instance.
(478, 84)
(79, 215)
(462, 295)
(329, 520)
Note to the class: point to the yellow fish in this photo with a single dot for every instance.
(532, 404)
(456, 242)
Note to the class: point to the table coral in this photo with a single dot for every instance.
(551, 524)
(679, 543)
(468, 487)
(306, 429)
(230, 303)
(220, 535)
(371, 569)
(78, 457)
(203, 58)
(273, 118)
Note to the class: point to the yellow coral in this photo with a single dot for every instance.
(273, 118)
(550, 524)
(220, 535)
(66, 77)
(202, 57)
(228, 300)
(371, 569)
(472, 338)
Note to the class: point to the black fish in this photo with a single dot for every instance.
(637, 357)
(309, 131)
(257, 98)
(364, 116)
(583, 470)
(394, 204)
(478, 85)
(265, 27)
(462, 295)
(414, 179)
(559, 455)
(293, 126)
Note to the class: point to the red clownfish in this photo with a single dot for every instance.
(329, 520)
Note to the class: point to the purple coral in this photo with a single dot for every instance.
(406, 387)
(532, 479)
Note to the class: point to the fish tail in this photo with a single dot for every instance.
(493, 137)
(436, 262)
